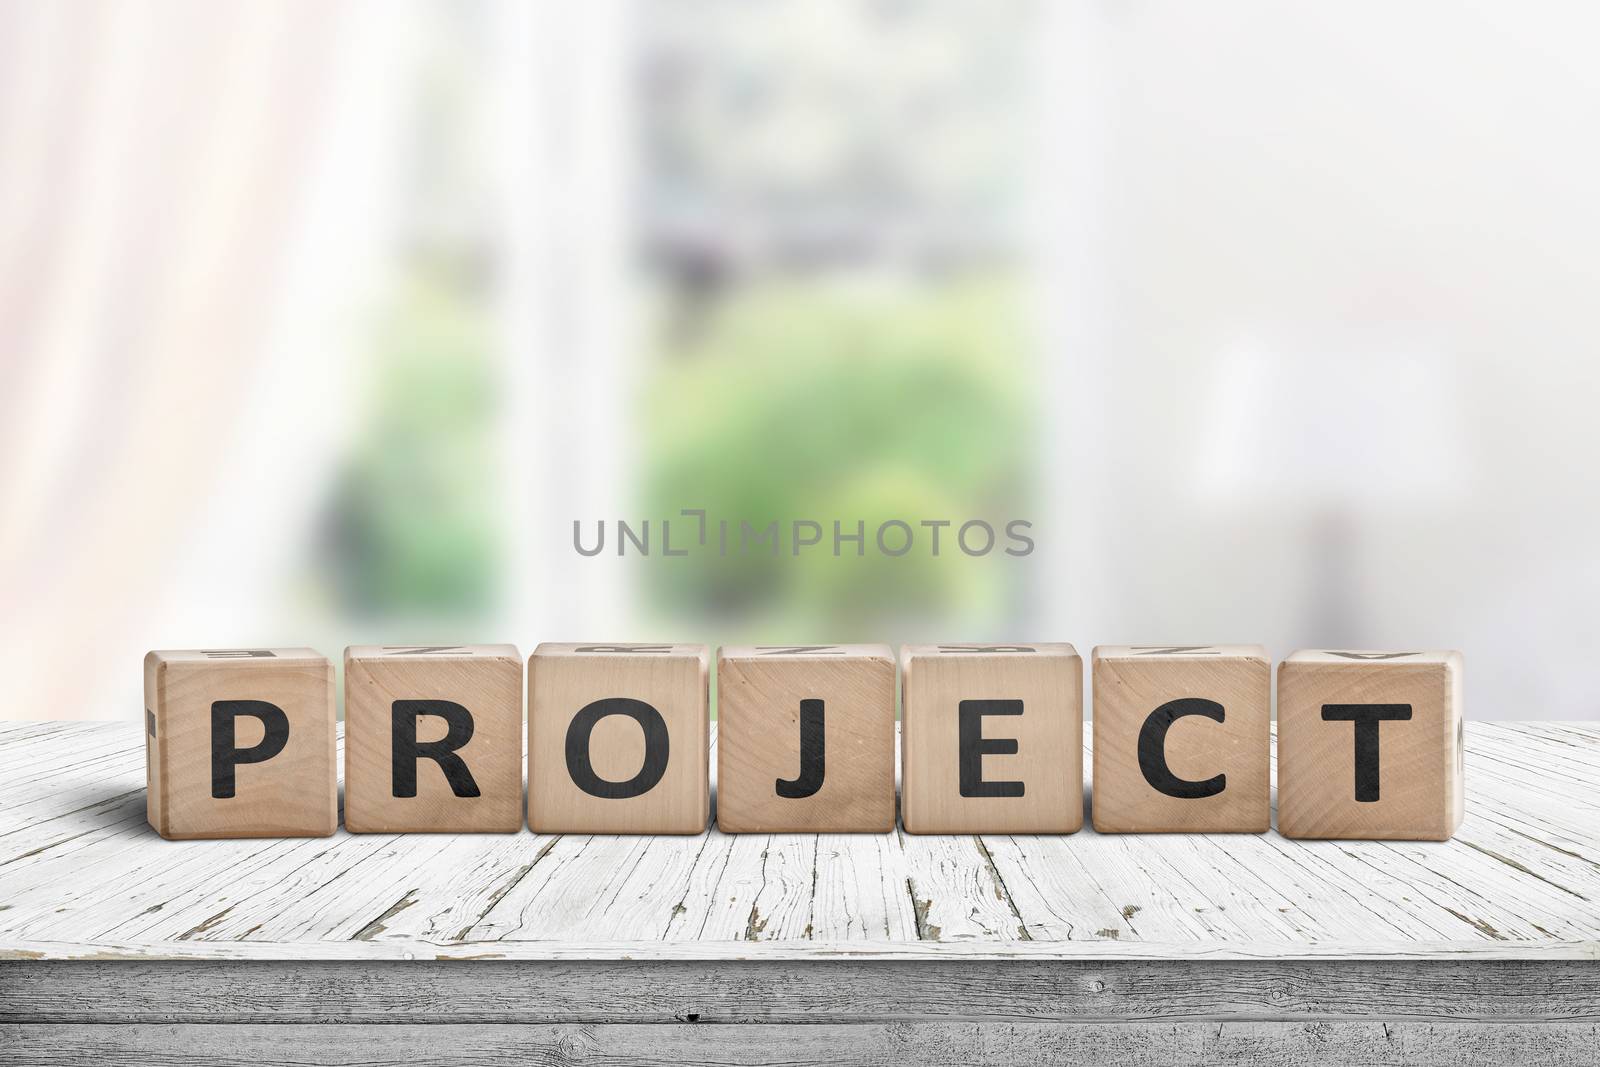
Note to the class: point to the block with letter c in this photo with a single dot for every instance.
(1182, 739)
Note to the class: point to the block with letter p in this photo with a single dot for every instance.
(240, 743)
(433, 738)
(805, 739)
(1370, 745)
(991, 739)
(1182, 739)
(619, 739)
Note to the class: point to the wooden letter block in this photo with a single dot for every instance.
(992, 739)
(618, 739)
(433, 738)
(805, 739)
(1182, 739)
(1370, 745)
(240, 743)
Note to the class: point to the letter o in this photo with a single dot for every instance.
(656, 748)
(961, 536)
(883, 545)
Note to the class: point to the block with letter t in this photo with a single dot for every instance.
(991, 739)
(433, 738)
(1182, 739)
(240, 743)
(805, 739)
(619, 739)
(1370, 745)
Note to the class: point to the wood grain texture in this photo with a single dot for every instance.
(1025, 706)
(760, 692)
(673, 681)
(787, 991)
(1290, 1044)
(273, 710)
(1399, 779)
(485, 681)
(1133, 685)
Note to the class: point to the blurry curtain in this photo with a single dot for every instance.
(151, 158)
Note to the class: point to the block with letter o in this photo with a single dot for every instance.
(619, 738)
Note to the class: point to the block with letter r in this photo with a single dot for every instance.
(1370, 745)
(240, 743)
(433, 738)
(991, 739)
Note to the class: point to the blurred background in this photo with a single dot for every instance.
(323, 323)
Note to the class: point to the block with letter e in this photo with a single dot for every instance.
(240, 743)
(433, 738)
(991, 739)
(618, 739)
(805, 739)
(1370, 745)
(1182, 739)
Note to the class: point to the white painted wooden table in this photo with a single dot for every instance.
(118, 947)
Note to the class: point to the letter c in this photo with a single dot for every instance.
(1153, 749)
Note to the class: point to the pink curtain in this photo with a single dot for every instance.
(151, 157)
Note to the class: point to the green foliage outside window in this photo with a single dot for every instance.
(824, 401)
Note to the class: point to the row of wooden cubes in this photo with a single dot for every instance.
(241, 742)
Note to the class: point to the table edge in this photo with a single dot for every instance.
(711, 951)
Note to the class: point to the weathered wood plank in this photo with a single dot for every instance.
(780, 909)
(73, 795)
(85, 891)
(406, 949)
(1348, 905)
(25, 727)
(714, 906)
(638, 904)
(1054, 893)
(382, 882)
(264, 877)
(860, 891)
(46, 842)
(1290, 1044)
(563, 888)
(38, 763)
(788, 991)
(446, 902)
(955, 891)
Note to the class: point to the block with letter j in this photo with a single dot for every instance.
(240, 743)
(1370, 745)
(805, 739)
